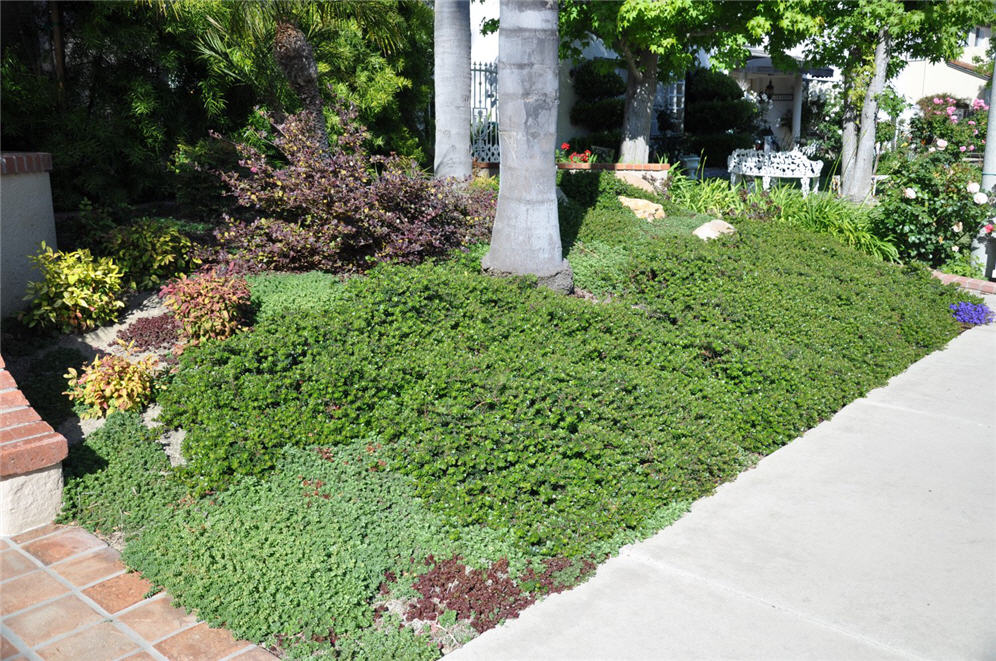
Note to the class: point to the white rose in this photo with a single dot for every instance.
(980, 198)
(957, 227)
(972, 187)
(941, 143)
(909, 193)
(955, 248)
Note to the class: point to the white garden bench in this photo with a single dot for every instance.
(767, 164)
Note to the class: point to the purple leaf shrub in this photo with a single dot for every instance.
(343, 210)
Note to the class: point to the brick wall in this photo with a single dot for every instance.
(27, 443)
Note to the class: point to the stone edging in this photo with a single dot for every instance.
(615, 167)
(27, 443)
(981, 286)
(25, 162)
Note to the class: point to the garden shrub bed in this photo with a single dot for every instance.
(384, 465)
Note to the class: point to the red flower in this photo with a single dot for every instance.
(565, 146)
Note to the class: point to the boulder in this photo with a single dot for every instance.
(713, 229)
(644, 209)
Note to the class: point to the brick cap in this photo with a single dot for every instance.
(32, 454)
(25, 162)
(982, 286)
(616, 167)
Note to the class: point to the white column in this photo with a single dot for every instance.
(796, 110)
(982, 249)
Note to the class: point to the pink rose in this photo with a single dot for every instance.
(971, 122)
(988, 228)
(937, 101)
(941, 143)
(962, 148)
(980, 198)
(971, 148)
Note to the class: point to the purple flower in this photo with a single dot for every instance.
(971, 313)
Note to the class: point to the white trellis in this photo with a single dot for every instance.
(484, 112)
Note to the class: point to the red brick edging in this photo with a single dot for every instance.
(27, 443)
(615, 167)
(982, 286)
(26, 162)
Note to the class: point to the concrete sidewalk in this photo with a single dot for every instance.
(873, 536)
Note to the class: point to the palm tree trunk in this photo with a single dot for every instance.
(864, 162)
(526, 235)
(297, 62)
(451, 77)
(641, 87)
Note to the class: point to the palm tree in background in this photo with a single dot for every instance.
(526, 235)
(451, 76)
(235, 36)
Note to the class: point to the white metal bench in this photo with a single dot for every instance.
(780, 165)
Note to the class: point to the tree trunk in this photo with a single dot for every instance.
(641, 88)
(451, 78)
(297, 62)
(526, 235)
(58, 50)
(849, 138)
(864, 162)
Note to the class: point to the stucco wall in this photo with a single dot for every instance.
(921, 78)
(26, 219)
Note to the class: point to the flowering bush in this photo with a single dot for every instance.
(208, 305)
(343, 209)
(957, 126)
(574, 157)
(112, 383)
(972, 313)
(931, 208)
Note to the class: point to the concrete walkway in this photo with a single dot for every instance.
(873, 536)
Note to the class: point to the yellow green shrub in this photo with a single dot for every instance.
(77, 292)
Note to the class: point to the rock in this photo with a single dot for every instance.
(644, 209)
(714, 229)
(652, 181)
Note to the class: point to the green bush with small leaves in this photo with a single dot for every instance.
(150, 251)
(560, 419)
(117, 482)
(77, 292)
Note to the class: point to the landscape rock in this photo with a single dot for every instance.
(713, 229)
(644, 209)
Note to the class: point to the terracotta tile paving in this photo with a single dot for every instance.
(90, 568)
(62, 545)
(27, 590)
(119, 592)
(157, 619)
(7, 648)
(51, 619)
(14, 564)
(101, 642)
(63, 596)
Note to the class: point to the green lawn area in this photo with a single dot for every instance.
(426, 444)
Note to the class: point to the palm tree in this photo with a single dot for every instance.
(451, 77)
(526, 235)
(233, 30)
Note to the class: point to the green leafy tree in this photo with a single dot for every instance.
(870, 41)
(658, 40)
